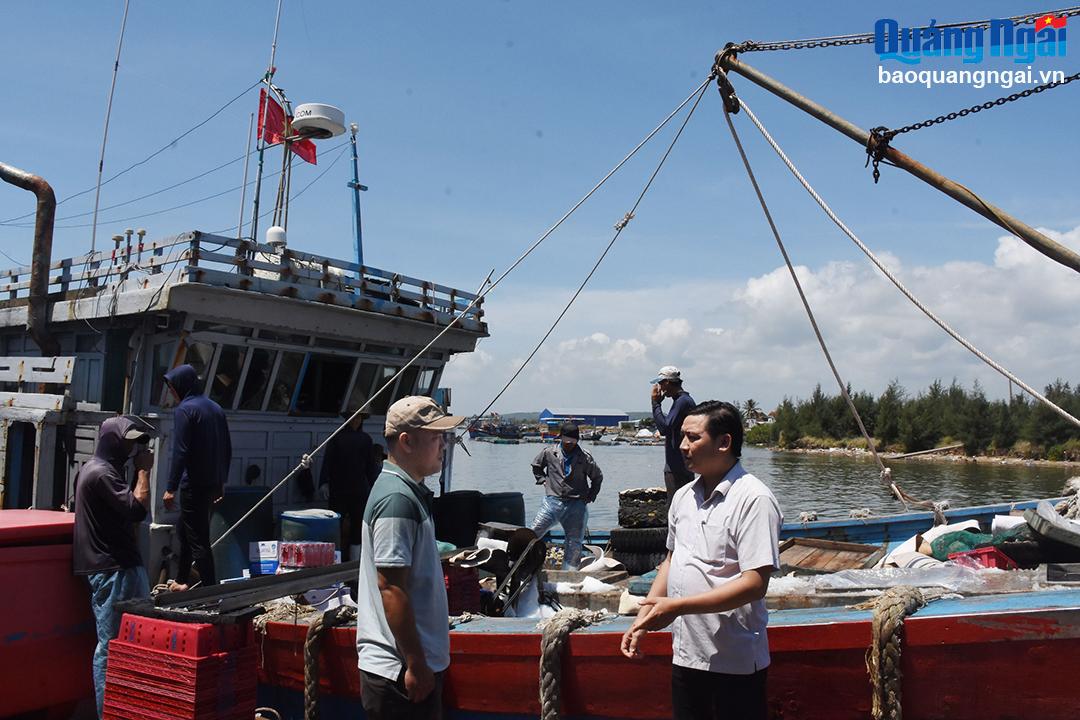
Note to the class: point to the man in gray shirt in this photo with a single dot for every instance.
(571, 480)
(402, 633)
(723, 536)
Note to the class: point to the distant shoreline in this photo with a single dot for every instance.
(944, 457)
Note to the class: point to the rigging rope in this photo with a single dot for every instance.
(895, 281)
(486, 287)
(619, 227)
(148, 158)
(885, 473)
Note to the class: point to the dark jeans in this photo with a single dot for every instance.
(195, 504)
(385, 699)
(674, 481)
(703, 695)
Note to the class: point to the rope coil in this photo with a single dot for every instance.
(883, 656)
(342, 615)
(556, 630)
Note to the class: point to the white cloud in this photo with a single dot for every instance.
(753, 339)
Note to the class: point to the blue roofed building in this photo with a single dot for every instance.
(597, 417)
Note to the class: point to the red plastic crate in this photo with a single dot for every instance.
(987, 557)
(146, 683)
(190, 639)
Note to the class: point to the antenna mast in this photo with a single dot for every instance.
(262, 125)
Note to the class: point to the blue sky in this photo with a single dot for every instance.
(481, 123)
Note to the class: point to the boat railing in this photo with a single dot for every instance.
(244, 265)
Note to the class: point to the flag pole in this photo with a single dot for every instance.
(243, 187)
(261, 143)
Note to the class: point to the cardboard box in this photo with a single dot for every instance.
(263, 556)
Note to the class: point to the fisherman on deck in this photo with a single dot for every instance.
(723, 535)
(571, 480)
(668, 383)
(199, 466)
(349, 469)
(107, 511)
(402, 636)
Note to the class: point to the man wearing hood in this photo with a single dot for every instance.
(199, 466)
(107, 511)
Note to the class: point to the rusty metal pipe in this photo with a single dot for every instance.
(37, 313)
(1052, 249)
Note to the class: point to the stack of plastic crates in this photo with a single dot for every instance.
(164, 670)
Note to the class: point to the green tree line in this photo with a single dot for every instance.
(940, 415)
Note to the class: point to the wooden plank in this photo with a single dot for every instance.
(37, 370)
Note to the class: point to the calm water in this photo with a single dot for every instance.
(829, 485)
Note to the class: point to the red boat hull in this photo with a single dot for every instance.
(999, 663)
(47, 635)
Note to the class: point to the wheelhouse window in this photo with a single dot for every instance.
(285, 382)
(199, 355)
(226, 378)
(258, 379)
(427, 381)
(406, 382)
(325, 382)
(161, 362)
(382, 402)
(361, 390)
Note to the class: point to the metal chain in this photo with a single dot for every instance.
(878, 142)
(867, 38)
(980, 107)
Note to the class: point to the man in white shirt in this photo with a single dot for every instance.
(723, 537)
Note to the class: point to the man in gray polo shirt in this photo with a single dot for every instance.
(723, 536)
(402, 633)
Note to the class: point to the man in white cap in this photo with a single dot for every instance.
(668, 383)
(402, 637)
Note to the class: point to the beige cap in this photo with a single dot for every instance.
(417, 412)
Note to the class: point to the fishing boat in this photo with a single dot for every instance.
(287, 340)
(494, 427)
(1016, 647)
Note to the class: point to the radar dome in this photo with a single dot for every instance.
(318, 121)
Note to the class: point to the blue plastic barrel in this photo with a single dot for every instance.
(231, 554)
(315, 525)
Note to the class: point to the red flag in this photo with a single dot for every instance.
(274, 130)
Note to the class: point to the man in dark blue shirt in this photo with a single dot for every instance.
(199, 466)
(668, 383)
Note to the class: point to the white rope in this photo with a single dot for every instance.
(895, 281)
(486, 287)
(619, 227)
(886, 475)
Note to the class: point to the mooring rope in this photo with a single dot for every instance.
(556, 630)
(883, 656)
(342, 615)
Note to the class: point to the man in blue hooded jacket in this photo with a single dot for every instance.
(107, 511)
(199, 466)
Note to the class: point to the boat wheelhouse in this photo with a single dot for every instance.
(283, 340)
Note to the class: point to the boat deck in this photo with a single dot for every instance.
(134, 277)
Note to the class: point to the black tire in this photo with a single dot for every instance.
(639, 563)
(642, 496)
(652, 515)
(639, 540)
